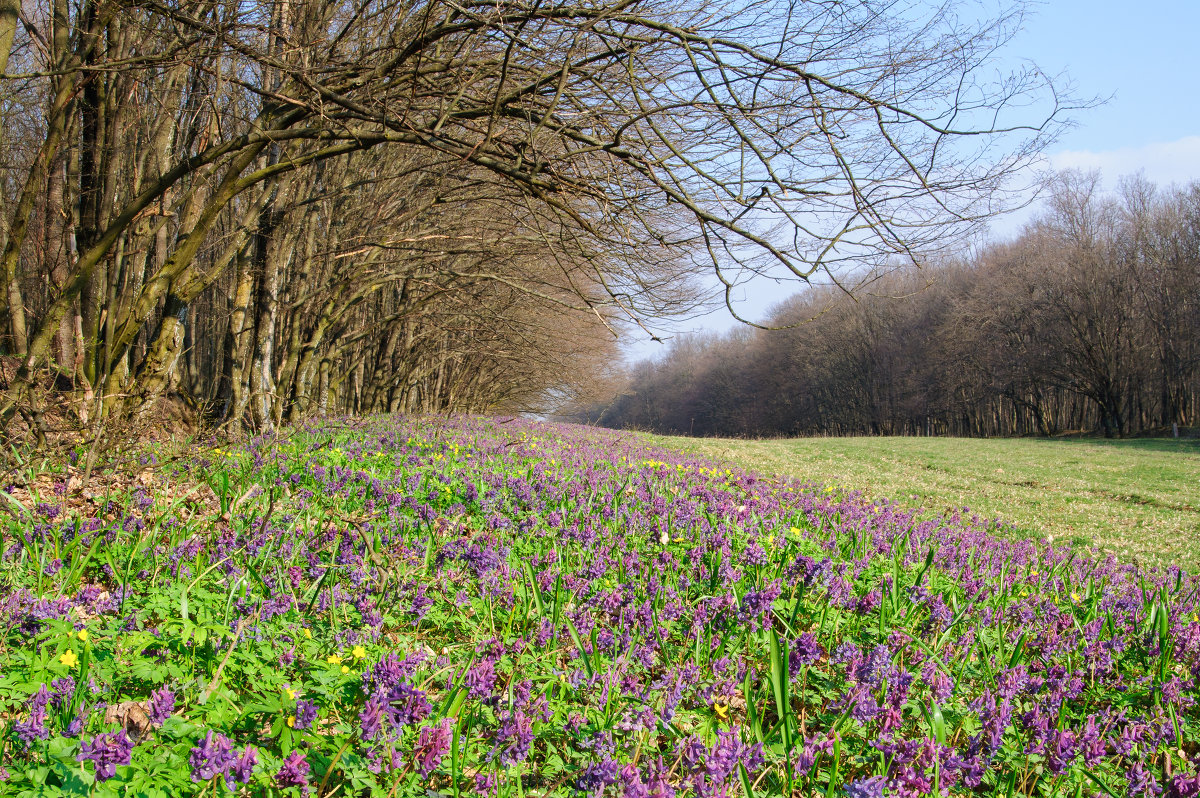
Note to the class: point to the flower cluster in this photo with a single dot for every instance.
(455, 604)
(215, 756)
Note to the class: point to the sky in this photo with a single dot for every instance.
(1141, 58)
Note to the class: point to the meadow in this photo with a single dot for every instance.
(1138, 498)
(419, 607)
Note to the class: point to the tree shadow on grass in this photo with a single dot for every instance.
(1173, 445)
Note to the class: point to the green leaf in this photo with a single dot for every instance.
(744, 777)
(1018, 654)
(587, 661)
(534, 588)
(937, 725)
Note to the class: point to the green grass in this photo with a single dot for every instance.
(1136, 498)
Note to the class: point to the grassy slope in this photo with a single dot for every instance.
(1138, 498)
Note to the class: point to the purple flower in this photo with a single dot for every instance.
(693, 753)
(242, 769)
(107, 751)
(64, 688)
(1062, 750)
(75, 726)
(212, 757)
(514, 737)
(420, 603)
(389, 672)
(870, 787)
(306, 713)
(1141, 780)
(293, 772)
(671, 700)
(486, 784)
(406, 705)
(370, 719)
(1184, 786)
(481, 681)
(162, 705)
(941, 685)
(863, 707)
(874, 668)
(599, 775)
(34, 727)
(804, 651)
(432, 745)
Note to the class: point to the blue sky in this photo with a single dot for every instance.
(1145, 54)
(1143, 57)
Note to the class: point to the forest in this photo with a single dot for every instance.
(276, 210)
(284, 280)
(1088, 321)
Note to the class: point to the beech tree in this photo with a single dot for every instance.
(610, 150)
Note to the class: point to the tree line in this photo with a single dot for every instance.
(1089, 320)
(284, 208)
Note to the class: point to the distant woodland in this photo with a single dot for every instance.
(1088, 321)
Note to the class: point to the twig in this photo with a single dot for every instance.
(216, 679)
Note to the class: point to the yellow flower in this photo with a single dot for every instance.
(69, 659)
(345, 669)
(291, 721)
(291, 692)
(334, 659)
(308, 634)
(359, 652)
(1075, 597)
(82, 634)
(722, 710)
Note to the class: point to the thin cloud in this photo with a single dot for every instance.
(1164, 162)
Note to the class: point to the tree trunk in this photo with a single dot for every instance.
(158, 368)
(266, 265)
(237, 342)
(35, 182)
(323, 389)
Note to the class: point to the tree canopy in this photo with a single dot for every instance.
(390, 194)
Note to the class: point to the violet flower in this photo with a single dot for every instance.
(306, 713)
(107, 751)
(432, 745)
(293, 772)
(870, 787)
(212, 757)
(162, 705)
(34, 727)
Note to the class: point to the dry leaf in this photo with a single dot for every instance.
(132, 717)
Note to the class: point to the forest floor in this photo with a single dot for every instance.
(1136, 498)
(428, 606)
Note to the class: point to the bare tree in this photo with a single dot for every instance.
(1087, 321)
(643, 142)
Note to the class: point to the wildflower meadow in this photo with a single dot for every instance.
(427, 607)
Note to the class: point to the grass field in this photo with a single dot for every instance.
(1138, 498)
